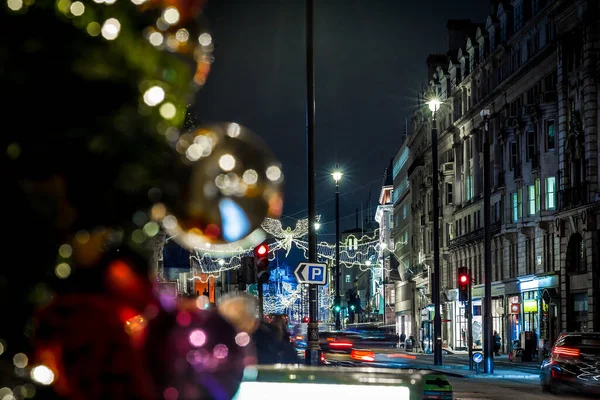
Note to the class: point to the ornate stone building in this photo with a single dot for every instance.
(533, 65)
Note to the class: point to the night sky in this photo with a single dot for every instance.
(369, 66)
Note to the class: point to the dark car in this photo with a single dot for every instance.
(373, 336)
(337, 341)
(357, 338)
(573, 364)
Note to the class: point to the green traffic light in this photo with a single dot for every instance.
(337, 308)
(352, 308)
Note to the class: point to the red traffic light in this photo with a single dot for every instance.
(463, 279)
(261, 250)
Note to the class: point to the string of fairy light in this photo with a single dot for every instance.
(355, 251)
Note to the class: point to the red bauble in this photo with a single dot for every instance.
(82, 338)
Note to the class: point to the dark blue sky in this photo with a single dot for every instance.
(370, 64)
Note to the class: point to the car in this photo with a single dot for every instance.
(573, 364)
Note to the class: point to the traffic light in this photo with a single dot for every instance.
(246, 273)
(337, 308)
(464, 282)
(261, 263)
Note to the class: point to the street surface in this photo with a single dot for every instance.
(501, 389)
(509, 381)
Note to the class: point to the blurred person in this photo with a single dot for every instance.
(270, 348)
(280, 326)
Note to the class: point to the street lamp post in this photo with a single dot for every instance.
(317, 226)
(337, 176)
(434, 106)
(313, 352)
(488, 337)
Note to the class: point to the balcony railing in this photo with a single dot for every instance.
(575, 196)
(472, 236)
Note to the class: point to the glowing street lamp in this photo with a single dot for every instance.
(337, 175)
(434, 105)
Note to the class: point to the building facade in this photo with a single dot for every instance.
(533, 65)
(385, 271)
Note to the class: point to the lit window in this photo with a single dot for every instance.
(550, 140)
(531, 196)
(515, 206)
(550, 193)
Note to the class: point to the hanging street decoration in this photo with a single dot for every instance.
(359, 251)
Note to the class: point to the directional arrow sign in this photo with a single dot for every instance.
(315, 273)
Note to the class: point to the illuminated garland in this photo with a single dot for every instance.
(287, 236)
(278, 303)
(361, 252)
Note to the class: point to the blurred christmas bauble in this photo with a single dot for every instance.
(83, 344)
(194, 354)
(228, 181)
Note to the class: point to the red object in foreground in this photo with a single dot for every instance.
(362, 355)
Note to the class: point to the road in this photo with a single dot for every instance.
(500, 389)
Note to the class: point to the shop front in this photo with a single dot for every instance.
(460, 322)
(539, 309)
(403, 307)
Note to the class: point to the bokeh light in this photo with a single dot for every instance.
(205, 39)
(62, 270)
(220, 351)
(77, 8)
(274, 173)
(168, 111)
(154, 96)
(242, 339)
(171, 15)
(65, 250)
(42, 374)
(20, 360)
(93, 28)
(111, 29)
(15, 5)
(197, 338)
(156, 38)
(227, 162)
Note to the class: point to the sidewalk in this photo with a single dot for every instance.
(458, 365)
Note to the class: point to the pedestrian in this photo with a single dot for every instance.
(269, 346)
(497, 343)
(403, 340)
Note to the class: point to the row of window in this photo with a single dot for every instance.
(535, 262)
(532, 206)
(399, 190)
(400, 162)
